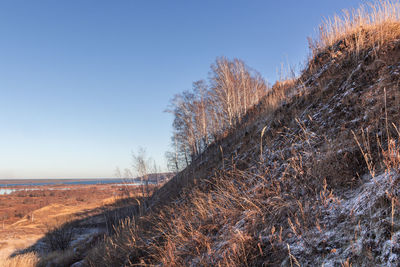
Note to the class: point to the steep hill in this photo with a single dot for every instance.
(310, 177)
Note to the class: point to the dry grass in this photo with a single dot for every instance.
(26, 260)
(118, 249)
(55, 228)
(58, 258)
(369, 26)
(243, 219)
(248, 217)
(226, 222)
(24, 204)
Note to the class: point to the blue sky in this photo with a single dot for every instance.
(83, 83)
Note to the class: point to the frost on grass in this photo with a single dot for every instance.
(362, 227)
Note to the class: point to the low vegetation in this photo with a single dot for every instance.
(61, 233)
(26, 260)
(23, 203)
(370, 26)
(59, 237)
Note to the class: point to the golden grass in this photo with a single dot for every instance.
(369, 26)
(221, 225)
(57, 258)
(25, 260)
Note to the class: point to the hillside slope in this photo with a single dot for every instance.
(310, 177)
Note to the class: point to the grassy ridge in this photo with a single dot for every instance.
(284, 187)
(309, 177)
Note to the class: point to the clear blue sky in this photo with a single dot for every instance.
(83, 83)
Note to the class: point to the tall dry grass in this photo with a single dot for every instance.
(25, 260)
(246, 218)
(369, 26)
(239, 218)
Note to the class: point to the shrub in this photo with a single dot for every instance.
(59, 237)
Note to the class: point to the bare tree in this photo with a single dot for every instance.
(156, 171)
(140, 163)
(204, 114)
(200, 89)
(234, 88)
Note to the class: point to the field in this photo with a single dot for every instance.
(26, 215)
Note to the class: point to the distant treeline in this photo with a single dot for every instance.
(154, 177)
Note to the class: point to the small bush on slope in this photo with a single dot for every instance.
(59, 237)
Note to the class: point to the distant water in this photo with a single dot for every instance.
(72, 182)
(5, 191)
